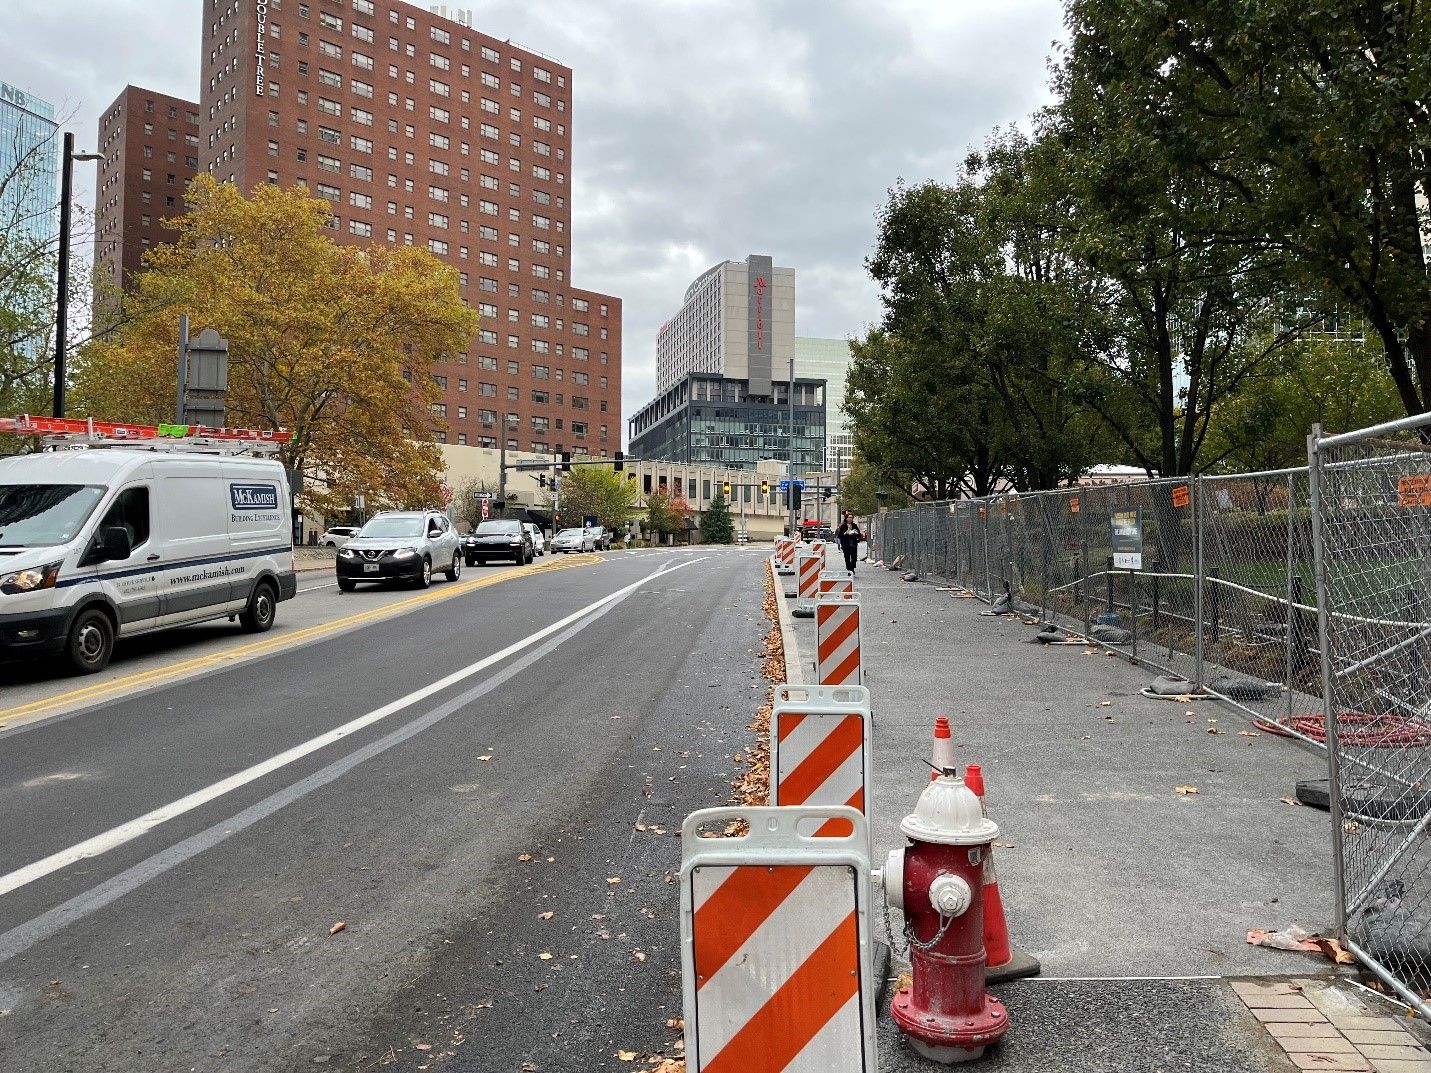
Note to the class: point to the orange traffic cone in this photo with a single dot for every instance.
(943, 755)
(1005, 961)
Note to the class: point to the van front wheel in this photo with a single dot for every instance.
(258, 616)
(91, 641)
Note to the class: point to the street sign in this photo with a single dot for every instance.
(785, 485)
(1128, 538)
(482, 495)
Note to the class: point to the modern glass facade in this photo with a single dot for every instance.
(29, 168)
(714, 421)
(829, 360)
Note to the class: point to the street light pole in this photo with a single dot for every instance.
(790, 468)
(62, 280)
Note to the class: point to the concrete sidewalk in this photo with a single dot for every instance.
(1135, 898)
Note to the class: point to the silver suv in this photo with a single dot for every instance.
(401, 545)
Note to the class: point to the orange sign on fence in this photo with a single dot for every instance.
(1414, 491)
(1181, 496)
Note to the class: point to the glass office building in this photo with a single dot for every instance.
(710, 420)
(29, 168)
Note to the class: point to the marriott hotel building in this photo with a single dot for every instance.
(420, 130)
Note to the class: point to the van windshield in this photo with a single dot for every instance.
(43, 515)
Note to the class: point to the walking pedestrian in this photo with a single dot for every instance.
(849, 536)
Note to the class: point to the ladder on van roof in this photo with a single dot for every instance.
(87, 432)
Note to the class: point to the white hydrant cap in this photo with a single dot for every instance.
(949, 814)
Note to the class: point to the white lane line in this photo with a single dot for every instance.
(315, 588)
(127, 832)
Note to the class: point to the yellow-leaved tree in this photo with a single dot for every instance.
(334, 343)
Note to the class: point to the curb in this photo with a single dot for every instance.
(793, 667)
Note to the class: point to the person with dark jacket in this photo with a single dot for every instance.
(849, 536)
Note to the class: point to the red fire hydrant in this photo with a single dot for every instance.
(937, 881)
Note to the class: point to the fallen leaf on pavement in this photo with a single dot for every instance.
(336, 928)
(1290, 801)
(613, 879)
(546, 916)
(484, 759)
(422, 1046)
(1333, 949)
(524, 856)
(1185, 789)
(1213, 730)
(639, 955)
(1105, 703)
(545, 955)
(626, 1056)
(678, 1023)
(1247, 733)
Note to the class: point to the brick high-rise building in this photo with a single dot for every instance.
(150, 142)
(420, 130)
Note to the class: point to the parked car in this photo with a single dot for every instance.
(401, 545)
(498, 538)
(539, 541)
(338, 535)
(569, 540)
(600, 538)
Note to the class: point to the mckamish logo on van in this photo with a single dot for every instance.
(254, 496)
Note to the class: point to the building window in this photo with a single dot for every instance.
(357, 227)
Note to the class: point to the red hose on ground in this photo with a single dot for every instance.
(1360, 729)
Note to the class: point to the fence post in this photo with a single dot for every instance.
(988, 579)
(1216, 602)
(1329, 715)
(1133, 608)
(1108, 585)
(1199, 510)
(1294, 585)
(1157, 586)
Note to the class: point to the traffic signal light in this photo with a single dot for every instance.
(725, 489)
(566, 461)
(620, 463)
(794, 495)
(542, 479)
(765, 488)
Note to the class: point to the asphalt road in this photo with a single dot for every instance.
(468, 780)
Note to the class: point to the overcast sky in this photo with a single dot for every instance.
(703, 129)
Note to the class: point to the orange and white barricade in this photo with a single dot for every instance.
(807, 583)
(838, 659)
(785, 555)
(776, 965)
(838, 581)
(820, 748)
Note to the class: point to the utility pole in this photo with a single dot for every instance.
(790, 467)
(502, 468)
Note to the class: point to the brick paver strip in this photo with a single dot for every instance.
(1363, 1024)
(1393, 1065)
(1248, 988)
(1390, 1039)
(1309, 1016)
(1406, 1054)
(1325, 1030)
(1330, 1061)
(1321, 1044)
(1277, 1002)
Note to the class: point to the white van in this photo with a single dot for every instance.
(96, 544)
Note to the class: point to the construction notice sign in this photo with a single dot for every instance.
(1414, 491)
(1128, 538)
(1181, 496)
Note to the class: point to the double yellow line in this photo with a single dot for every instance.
(113, 687)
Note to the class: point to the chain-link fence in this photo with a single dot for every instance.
(1371, 510)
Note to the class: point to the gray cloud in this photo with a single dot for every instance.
(703, 129)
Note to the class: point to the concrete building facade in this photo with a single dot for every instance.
(737, 319)
(150, 143)
(419, 129)
(29, 168)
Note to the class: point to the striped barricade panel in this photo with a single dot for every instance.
(836, 581)
(838, 659)
(785, 557)
(807, 586)
(775, 951)
(820, 748)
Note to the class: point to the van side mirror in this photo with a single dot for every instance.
(113, 543)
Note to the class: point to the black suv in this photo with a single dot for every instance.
(498, 538)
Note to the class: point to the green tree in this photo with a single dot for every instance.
(716, 525)
(1310, 119)
(469, 507)
(337, 344)
(600, 491)
(859, 485)
(667, 510)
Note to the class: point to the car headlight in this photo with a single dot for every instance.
(404, 553)
(31, 579)
(347, 553)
